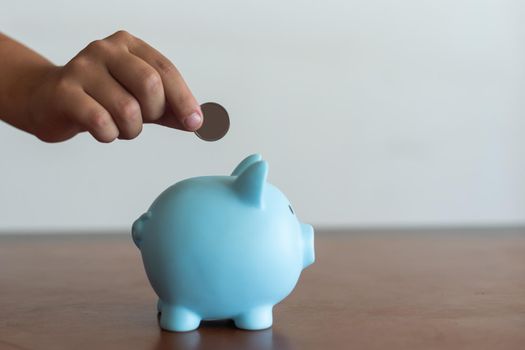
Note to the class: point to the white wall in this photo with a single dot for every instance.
(369, 112)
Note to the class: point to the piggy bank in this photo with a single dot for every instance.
(223, 247)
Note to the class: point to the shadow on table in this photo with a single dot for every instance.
(220, 335)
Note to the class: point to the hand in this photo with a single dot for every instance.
(110, 89)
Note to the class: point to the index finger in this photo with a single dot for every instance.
(182, 105)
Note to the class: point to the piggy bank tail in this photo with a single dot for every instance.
(137, 230)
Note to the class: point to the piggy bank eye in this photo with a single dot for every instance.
(289, 206)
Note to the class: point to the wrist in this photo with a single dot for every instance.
(21, 71)
(21, 95)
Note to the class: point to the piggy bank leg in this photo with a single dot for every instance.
(254, 319)
(177, 318)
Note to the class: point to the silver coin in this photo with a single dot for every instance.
(215, 122)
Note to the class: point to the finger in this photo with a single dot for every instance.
(123, 107)
(170, 120)
(142, 81)
(181, 101)
(90, 116)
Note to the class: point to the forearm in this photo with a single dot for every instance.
(20, 69)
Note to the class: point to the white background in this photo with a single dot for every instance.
(370, 113)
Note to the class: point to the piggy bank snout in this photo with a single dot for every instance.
(307, 232)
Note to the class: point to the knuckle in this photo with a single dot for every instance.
(129, 110)
(98, 120)
(122, 35)
(63, 86)
(97, 46)
(165, 66)
(79, 63)
(152, 82)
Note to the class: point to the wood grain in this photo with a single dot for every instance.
(367, 290)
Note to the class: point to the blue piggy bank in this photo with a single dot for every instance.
(223, 247)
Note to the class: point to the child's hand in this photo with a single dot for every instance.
(110, 89)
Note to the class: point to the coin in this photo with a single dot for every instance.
(215, 122)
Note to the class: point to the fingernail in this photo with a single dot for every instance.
(193, 122)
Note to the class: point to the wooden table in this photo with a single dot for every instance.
(367, 290)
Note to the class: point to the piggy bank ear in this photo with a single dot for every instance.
(249, 185)
(246, 163)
